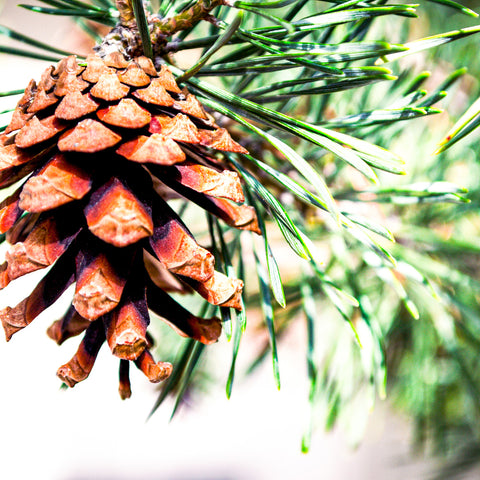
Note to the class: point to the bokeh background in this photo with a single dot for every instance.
(89, 433)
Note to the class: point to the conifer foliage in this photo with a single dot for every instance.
(104, 154)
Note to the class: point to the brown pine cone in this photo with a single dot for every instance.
(103, 143)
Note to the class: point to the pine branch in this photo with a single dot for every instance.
(296, 84)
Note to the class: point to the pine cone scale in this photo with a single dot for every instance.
(89, 136)
(75, 105)
(127, 114)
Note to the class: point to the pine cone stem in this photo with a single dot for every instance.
(125, 36)
(186, 19)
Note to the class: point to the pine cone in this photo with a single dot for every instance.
(104, 144)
